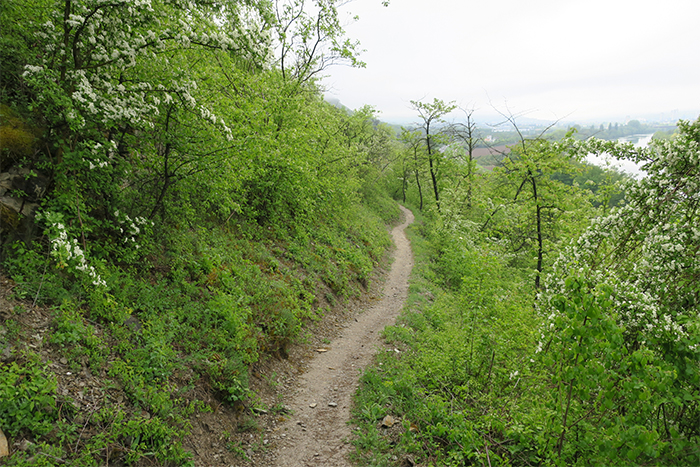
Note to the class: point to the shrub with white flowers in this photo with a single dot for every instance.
(94, 52)
(112, 101)
(621, 333)
(131, 228)
(66, 251)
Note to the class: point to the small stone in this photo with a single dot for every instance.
(4, 448)
(332, 404)
(313, 406)
(64, 361)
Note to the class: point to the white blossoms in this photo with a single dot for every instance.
(133, 226)
(68, 250)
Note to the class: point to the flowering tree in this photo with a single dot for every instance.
(310, 39)
(115, 80)
(622, 336)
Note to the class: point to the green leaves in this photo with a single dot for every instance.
(617, 348)
(462, 370)
(27, 398)
(310, 39)
(431, 115)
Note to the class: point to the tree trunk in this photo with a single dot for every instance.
(540, 249)
(435, 186)
(420, 190)
(404, 180)
(470, 175)
(167, 174)
(432, 168)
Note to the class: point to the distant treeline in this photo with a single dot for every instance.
(606, 131)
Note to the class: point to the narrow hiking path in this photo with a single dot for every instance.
(316, 432)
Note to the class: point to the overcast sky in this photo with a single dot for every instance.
(576, 60)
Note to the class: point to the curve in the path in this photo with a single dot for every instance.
(317, 432)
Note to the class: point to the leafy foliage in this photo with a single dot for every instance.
(599, 367)
(27, 398)
(641, 259)
(461, 354)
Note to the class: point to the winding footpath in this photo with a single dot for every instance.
(317, 432)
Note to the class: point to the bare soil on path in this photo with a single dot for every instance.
(316, 431)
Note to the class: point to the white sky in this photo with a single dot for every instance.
(575, 60)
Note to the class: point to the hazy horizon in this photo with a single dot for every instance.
(551, 60)
(493, 117)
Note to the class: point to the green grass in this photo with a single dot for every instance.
(470, 383)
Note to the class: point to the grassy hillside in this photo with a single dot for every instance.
(170, 339)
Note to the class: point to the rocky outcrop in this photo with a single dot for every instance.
(20, 191)
(20, 187)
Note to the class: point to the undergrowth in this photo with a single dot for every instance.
(475, 375)
(198, 310)
(453, 373)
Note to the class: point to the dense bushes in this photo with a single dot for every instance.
(462, 351)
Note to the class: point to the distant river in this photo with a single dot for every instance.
(629, 167)
(640, 141)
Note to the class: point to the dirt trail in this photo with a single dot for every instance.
(316, 433)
